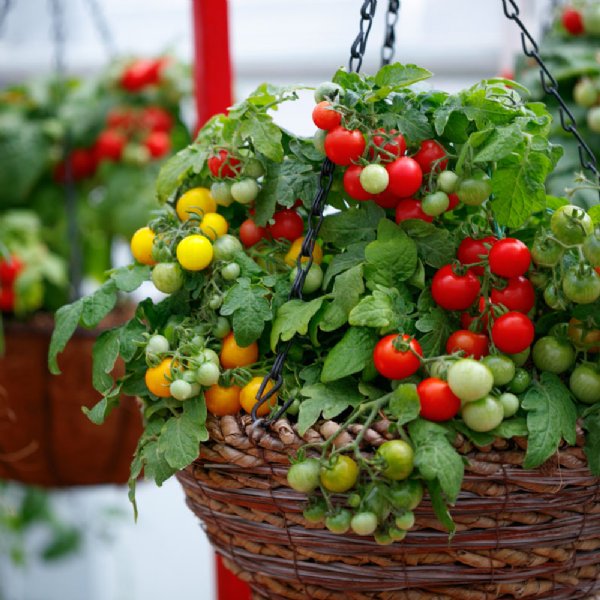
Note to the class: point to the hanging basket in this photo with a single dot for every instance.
(520, 534)
(45, 438)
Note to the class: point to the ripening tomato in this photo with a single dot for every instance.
(388, 143)
(156, 118)
(472, 344)
(397, 364)
(352, 185)
(9, 270)
(406, 176)
(223, 165)
(287, 224)
(121, 118)
(509, 257)
(344, 146)
(387, 199)
(438, 401)
(472, 251)
(341, 475)
(512, 332)
(233, 355)
(454, 202)
(109, 145)
(248, 397)
(409, 208)
(82, 162)
(158, 144)
(139, 74)
(518, 294)
(431, 155)
(572, 21)
(251, 233)
(291, 258)
(453, 291)
(158, 379)
(221, 401)
(325, 117)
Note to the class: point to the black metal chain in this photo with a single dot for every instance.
(389, 41)
(5, 7)
(550, 85)
(57, 17)
(315, 220)
(102, 27)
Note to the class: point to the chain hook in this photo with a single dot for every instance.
(389, 41)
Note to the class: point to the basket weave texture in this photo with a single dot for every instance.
(520, 533)
(45, 439)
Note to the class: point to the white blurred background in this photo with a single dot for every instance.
(281, 41)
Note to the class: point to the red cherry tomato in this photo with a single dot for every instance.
(156, 118)
(158, 144)
(83, 165)
(121, 118)
(352, 185)
(109, 145)
(472, 344)
(409, 208)
(466, 319)
(509, 258)
(223, 165)
(324, 117)
(406, 176)
(428, 156)
(395, 146)
(288, 224)
(472, 251)
(572, 21)
(519, 294)
(452, 291)
(454, 202)
(344, 146)
(9, 270)
(7, 299)
(251, 233)
(387, 199)
(397, 364)
(438, 402)
(140, 74)
(512, 332)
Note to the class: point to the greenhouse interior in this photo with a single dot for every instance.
(300, 300)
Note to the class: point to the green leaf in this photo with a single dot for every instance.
(551, 415)
(293, 318)
(517, 426)
(404, 405)
(376, 310)
(130, 278)
(518, 187)
(156, 466)
(131, 338)
(397, 75)
(354, 255)
(350, 355)
(434, 247)
(175, 171)
(440, 507)
(97, 305)
(591, 424)
(436, 458)
(331, 399)
(250, 310)
(479, 438)
(391, 258)
(502, 142)
(413, 124)
(437, 327)
(65, 323)
(104, 354)
(347, 289)
(180, 436)
(102, 409)
(264, 134)
(348, 227)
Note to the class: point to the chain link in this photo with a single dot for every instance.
(315, 220)
(102, 27)
(5, 8)
(550, 85)
(389, 41)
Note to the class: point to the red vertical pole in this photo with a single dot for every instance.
(212, 89)
(212, 64)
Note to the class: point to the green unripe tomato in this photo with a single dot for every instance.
(545, 252)
(157, 344)
(593, 119)
(553, 355)
(167, 277)
(539, 279)
(383, 538)
(230, 272)
(364, 523)
(245, 191)
(502, 368)
(374, 179)
(313, 281)
(222, 327)
(570, 224)
(254, 168)
(405, 521)
(591, 249)
(581, 286)
(406, 495)
(328, 91)
(510, 404)
(521, 358)
(585, 384)
(520, 382)
(396, 534)
(304, 476)
(207, 374)
(475, 190)
(447, 182)
(180, 389)
(209, 355)
(339, 522)
(435, 204)
(215, 302)
(354, 500)
(591, 18)
(470, 379)
(483, 415)
(398, 459)
(585, 93)
(221, 193)
(554, 297)
(226, 247)
(315, 513)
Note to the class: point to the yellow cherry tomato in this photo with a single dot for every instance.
(214, 225)
(292, 256)
(248, 397)
(157, 378)
(195, 201)
(195, 252)
(233, 356)
(141, 245)
(221, 401)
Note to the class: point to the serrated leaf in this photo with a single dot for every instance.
(502, 142)
(65, 323)
(97, 305)
(439, 506)
(293, 318)
(265, 136)
(174, 172)
(375, 310)
(350, 355)
(104, 354)
(347, 289)
(156, 466)
(515, 427)
(357, 224)
(129, 278)
(404, 404)
(102, 409)
(397, 75)
(551, 416)
(131, 338)
(437, 327)
(354, 255)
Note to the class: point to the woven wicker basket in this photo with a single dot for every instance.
(45, 439)
(520, 534)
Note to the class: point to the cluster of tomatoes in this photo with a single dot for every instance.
(583, 19)
(10, 268)
(142, 73)
(132, 135)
